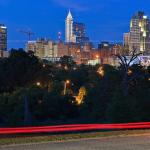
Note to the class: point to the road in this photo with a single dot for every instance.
(117, 143)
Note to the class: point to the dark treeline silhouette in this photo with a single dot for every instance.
(35, 92)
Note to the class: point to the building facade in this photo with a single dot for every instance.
(3, 37)
(140, 33)
(126, 39)
(75, 32)
(104, 45)
(42, 48)
(79, 33)
(69, 28)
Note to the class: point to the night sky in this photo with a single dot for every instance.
(104, 19)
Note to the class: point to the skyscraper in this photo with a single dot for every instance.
(75, 32)
(69, 28)
(3, 37)
(79, 29)
(126, 39)
(80, 33)
(140, 33)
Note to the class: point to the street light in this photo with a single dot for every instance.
(130, 72)
(44, 65)
(67, 82)
(97, 56)
(38, 84)
(66, 67)
(97, 59)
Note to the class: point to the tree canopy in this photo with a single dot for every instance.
(32, 92)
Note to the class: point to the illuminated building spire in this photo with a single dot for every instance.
(69, 15)
(69, 27)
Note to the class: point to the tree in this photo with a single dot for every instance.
(125, 66)
(99, 93)
(67, 62)
(20, 69)
(80, 97)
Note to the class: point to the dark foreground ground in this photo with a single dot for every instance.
(108, 143)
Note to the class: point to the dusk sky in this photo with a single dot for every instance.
(105, 19)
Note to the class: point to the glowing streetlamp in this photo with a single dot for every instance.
(38, 84)
(97, 56)
(67, 82)
(130, 72)
(78, 51)
(66, 67)
(44, 65)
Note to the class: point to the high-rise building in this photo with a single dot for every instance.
(79, 29)
(104, 45)
(79, 33)
(30, 46)
(42, 48)
(126, 39)
(69, 28)
(3, 37)
(140, 33)
(75, 32)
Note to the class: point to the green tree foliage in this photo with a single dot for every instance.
(40, 105)
(18, 70)
(24, 102)
(67, 62)
(100, 91)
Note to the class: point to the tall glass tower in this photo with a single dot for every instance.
(140, 33)
(75, 32)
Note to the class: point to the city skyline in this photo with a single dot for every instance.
(102, 20)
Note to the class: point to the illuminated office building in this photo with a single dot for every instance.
(126, 39)
(79, 33)
(75, 32)
(3, 37)
(140, 33)
(69, 28)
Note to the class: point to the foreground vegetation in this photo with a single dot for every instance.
(41, 93)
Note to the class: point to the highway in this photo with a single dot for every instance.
(111, 143)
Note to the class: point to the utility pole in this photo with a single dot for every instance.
(27, 114)
(59, 36)
(67, 82)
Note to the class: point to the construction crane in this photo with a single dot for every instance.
(28, 33)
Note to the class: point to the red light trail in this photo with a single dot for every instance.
(74, 127)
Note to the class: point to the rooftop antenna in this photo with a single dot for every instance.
(59, 36)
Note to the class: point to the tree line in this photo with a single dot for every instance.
(32, 92)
